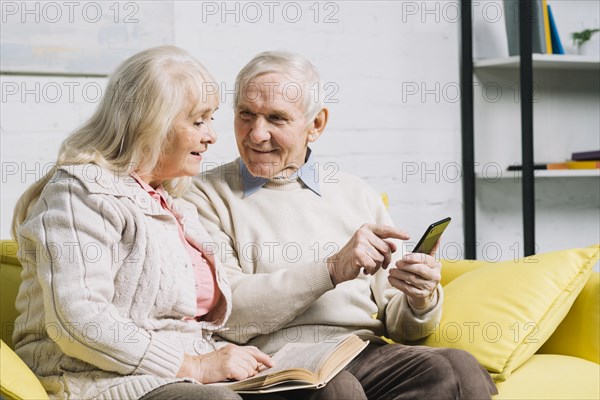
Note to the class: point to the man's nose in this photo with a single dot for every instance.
(259, 130)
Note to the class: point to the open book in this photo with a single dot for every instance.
(302, 366)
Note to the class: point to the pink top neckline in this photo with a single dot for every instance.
(207, 290)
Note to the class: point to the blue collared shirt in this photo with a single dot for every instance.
(308, 174)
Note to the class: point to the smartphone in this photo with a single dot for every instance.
(431, 236)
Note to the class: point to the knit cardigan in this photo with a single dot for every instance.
(106, 285)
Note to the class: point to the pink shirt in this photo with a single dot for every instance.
(207, 291)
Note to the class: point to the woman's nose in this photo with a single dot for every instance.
(209, 136)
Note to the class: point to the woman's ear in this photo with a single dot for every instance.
(318, 125)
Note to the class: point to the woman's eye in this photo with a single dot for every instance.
(198, 123)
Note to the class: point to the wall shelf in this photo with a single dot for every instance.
(567, 173)
(543, 61)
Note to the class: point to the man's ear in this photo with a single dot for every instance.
(317, 126)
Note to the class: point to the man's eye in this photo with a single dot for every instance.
(198, 123)
(277, 118)
(245, 114)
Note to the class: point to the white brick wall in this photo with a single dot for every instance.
(370, 56)
(395, 116)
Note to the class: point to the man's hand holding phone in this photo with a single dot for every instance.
(367, 250)
(418, 274)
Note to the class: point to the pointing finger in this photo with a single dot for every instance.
(388, 232)
(260, 356)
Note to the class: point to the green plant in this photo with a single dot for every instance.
(579, 38)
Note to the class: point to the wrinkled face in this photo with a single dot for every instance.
(190, 136)
(271, 131)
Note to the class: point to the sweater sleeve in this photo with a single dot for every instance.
(262, 302)
(402, 322)
(69, 241)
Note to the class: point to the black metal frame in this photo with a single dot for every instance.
(526, 14)
(468, 139)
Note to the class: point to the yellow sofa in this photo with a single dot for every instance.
(566, 366)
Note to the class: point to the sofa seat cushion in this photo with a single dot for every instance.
(549, 376)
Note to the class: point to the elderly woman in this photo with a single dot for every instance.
(120, 296)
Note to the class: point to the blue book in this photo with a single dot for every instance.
(557, 47)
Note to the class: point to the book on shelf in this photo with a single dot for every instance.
(511, 20)
(590, 164)
(547, 34)
(301, 366)
(557, 47)
(586, 155)
(555, 166)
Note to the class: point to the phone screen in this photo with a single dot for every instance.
(431, 236)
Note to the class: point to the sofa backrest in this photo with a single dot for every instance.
(10, 279)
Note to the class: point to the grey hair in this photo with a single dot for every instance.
(294, 67)
(132, 124)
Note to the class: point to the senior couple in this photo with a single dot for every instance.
(158, 293)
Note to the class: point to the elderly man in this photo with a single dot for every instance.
(307, 248)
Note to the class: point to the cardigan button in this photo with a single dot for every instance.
(142, 201)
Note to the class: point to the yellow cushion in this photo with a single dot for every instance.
(546, 376)
(453, 269)
(16, 379)
(577, 335)
(502, 313)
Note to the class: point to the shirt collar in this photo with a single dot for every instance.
(158, 193)
(308, 174)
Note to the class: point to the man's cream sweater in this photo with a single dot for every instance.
(274, 243)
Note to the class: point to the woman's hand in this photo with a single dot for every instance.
(228, 363)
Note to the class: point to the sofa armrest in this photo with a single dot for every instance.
(10, 280)
(16, 379)
(578, 334)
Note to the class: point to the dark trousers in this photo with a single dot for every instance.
(190, 391)
(396, 371)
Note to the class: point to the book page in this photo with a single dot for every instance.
(306, 356)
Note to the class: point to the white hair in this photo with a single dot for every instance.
(293, 67)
